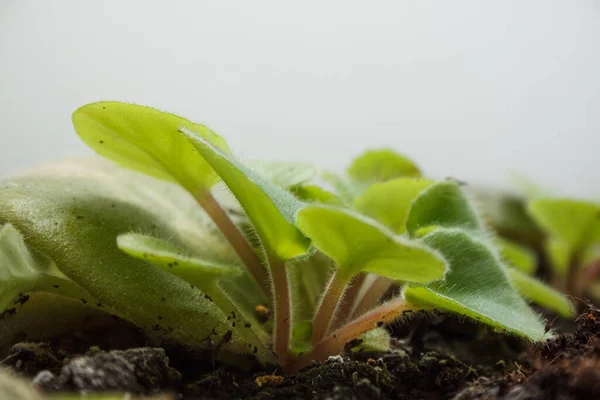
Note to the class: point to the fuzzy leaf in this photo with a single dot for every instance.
(174, 259)
(517, 256)
(270, 208)
(75, 222)
(539, 293)
(147, 140)
(575, 223)
(316, 194)
(343, 188)
(286, 174)
(390, 202)
(203, 274)
(23, 271)
(443, 204)
(360, 244)
(476, 286)
(382, 165)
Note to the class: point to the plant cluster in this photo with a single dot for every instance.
(260, 259)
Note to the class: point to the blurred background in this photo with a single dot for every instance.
(469, 89)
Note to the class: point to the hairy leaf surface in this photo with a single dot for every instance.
(477, 286)
(443, 204)
(270, 208)
(360, 244)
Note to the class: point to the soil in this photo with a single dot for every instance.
(443, 359)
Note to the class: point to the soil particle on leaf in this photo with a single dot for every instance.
(137, 371)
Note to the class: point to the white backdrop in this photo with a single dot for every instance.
(469, 89)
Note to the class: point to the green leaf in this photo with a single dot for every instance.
(270, 208)
(382, 165)
(300, 341)
(75, 221)
(443, 204)
(286, 174)
(203, 274)
(345, 190)
(507, 215)
(316, 194)
(360, 244)
(390, 202)
(477, 286)
(541, 294)
(23, 271)
(147, 140)
(575, 223)
(517, 256)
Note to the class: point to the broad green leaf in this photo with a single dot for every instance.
(188, 224)
(75, 222)
(23, 271)
(442, 204)
(539, 293)
(476, 286)
(517, 256)
(286, 174)
(360, 244)
(316, 194)
(270, 208)
(203, 274)
(575, 223)
(382, 165)
(390, 202)
(147, 140)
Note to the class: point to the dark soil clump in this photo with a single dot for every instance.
(566, 367)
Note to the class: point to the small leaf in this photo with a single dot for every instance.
(23, 271)
(575, 223)
(286, 174)
(359, 244)
(147, 140)
(270, 208)
(476, 286)
(375, 340)
(203, 274)
(343, 188)
(390, 202)
(316, 194)
(517, 256)
(539, 293)
(176, 260)
(382, 165)
(442, 204)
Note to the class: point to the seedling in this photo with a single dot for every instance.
(572, 230)
(166, 253)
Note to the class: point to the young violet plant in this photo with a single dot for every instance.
(187, 262)
(572, 230)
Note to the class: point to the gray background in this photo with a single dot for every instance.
(469, 89)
